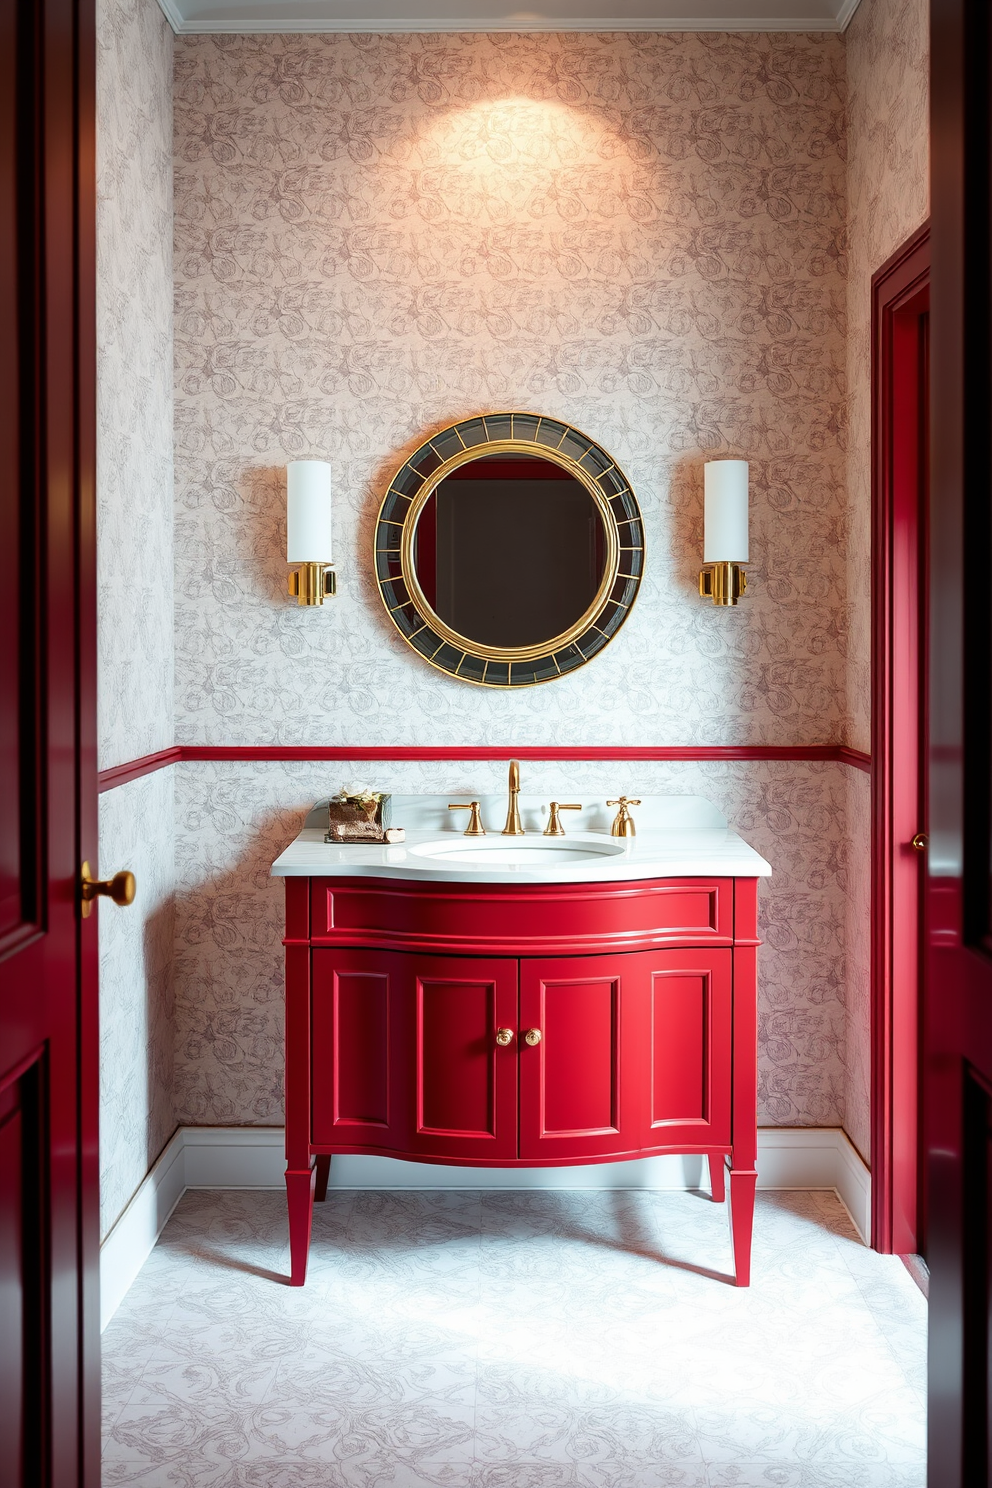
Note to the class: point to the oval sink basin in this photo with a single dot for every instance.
(502, 852)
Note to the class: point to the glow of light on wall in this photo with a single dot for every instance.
(516, 135)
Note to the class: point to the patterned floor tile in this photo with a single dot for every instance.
(472, 1339)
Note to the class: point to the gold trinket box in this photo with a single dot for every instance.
(357, 817)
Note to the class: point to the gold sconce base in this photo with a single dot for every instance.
(723, 583)
(311, 583)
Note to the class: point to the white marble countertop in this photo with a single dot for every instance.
(677, 837)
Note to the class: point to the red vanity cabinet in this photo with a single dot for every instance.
(537, 1025)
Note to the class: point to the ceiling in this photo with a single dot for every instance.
(190, 16)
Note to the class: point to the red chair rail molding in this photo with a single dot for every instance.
(521, 1025)
(133, 769)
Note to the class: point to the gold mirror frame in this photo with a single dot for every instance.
(395, 535)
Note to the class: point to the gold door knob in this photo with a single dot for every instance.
(504, 1036)
(121, 888)
(920, 842)
(532, 1037)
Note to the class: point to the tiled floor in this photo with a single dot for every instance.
(515, 1340)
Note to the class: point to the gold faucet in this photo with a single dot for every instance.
(623, 822)
(513, 827)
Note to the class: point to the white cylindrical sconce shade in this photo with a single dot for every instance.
(725, 511)
(308, 512)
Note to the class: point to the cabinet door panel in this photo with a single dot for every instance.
(578, 1086)
(405, 1057)
(465, 1084)
(356, 1012)
(690, 1043)
(581, 1023)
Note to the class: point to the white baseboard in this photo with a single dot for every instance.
(853, 1185)
(234, 1156)
(253, 1157)
(133, 1237)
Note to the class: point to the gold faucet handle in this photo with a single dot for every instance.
(554, 827)
(475, 827)
(623, 822)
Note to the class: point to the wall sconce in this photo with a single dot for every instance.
(308, 530)
(725, 546)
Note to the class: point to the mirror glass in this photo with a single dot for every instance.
(510, 550)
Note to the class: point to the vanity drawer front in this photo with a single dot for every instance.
(522, 920)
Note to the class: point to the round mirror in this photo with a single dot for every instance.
(509, 549)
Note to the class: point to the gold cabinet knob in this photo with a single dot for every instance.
(920, 842)
(504, 1036)
(532, 1037)
(121, 888)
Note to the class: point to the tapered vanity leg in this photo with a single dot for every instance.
(323, 1173)
(299, 1195)
(718, 1176)
(742, 1185)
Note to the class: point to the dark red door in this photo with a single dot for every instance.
(957, 1033)
(900, 493)
(460, 1019)
(49, 1182)
(581, 1075)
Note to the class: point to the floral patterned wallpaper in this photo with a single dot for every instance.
(888, 61)
(134, 558)
(379, 235)
(857, 966)
(134, 380)
(137, 1014)
(888, 67)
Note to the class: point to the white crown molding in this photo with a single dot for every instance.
(172, 15)
(254, 1157)
(239, 23)
(440, 28)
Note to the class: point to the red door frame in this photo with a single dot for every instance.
(900, 305)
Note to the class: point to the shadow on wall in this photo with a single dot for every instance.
(158, 940)
(252, 505)
(229, 975)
